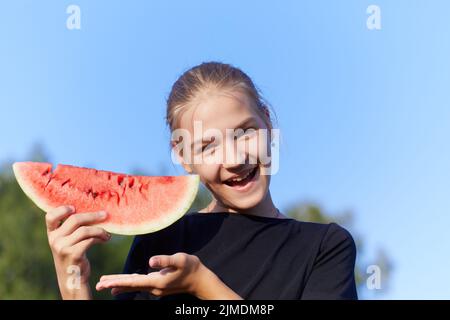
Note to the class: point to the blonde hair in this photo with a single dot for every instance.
(212, 75)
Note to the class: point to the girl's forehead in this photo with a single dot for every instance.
(219, 111)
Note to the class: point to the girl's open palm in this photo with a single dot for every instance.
(179, 273)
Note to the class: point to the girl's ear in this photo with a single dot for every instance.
(266, 112)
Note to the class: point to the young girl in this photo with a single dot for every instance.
(240, 246)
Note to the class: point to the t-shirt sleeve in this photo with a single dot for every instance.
(332, 276)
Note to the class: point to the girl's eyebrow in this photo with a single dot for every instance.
(245, 122)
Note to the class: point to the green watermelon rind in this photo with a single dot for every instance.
(28, 189)
(152, 226)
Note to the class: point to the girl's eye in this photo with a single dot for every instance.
(208, 147)
(249, 132)
(204, 147)
(209, 144)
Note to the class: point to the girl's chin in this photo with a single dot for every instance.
(243, 201)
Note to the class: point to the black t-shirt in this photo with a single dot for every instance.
(257, 257)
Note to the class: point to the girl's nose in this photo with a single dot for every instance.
(230, 165)
(234, 159)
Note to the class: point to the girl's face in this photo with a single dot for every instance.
(222, 162)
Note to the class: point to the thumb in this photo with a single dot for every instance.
(161, 261)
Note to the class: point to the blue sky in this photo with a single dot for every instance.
(364, 114)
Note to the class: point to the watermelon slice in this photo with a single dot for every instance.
(135, 204)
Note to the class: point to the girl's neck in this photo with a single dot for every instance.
(265, 208)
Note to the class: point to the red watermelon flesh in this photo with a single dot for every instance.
(135, 204)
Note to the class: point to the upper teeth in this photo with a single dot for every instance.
(240, 178)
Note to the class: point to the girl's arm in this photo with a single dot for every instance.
(333, 275)
(179, 273)
(210, 287)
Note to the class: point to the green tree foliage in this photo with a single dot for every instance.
(26, 266)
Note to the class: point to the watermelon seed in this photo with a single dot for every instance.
(91, 192)
(48, 182)
(131, 183)
(120, 180)
(143, 194)
(115, 194)
(65, 182)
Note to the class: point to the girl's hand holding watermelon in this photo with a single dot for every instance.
(70, 236)
(179, 273)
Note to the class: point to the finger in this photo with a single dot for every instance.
(137, 282)
(85, 232)
(80, 248)
(116, 291)
(109, 283)
(115, 276)
(177, 260)
(153, 291)
(54, 217)
(160, 261)
(80, 219)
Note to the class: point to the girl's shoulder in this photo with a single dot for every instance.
(329, 239)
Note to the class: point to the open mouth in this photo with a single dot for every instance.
(243, 180)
